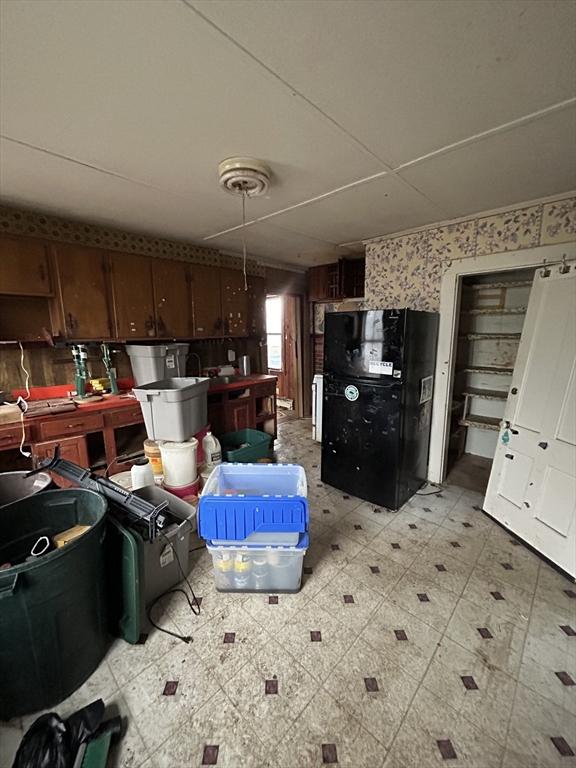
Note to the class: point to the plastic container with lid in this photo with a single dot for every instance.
(179, 463)
(258, 568)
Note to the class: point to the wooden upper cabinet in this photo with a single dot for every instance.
(172, 299)
(24, 267)
(256, 306)
(133, 296)
(234, 302)
(318, 279)
(83, 290)
(206, 304)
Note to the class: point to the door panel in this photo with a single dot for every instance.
(172, 298)
(207, 310)
(133, 296)
(25, 267)
(84, 295)
(360, 439)
(537, 498)
(234, 302)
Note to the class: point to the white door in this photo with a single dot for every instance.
(532, 488)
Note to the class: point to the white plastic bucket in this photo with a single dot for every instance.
(179, 463)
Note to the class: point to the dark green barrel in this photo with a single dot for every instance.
(53, 611)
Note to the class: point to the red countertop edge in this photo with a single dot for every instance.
(123, 399)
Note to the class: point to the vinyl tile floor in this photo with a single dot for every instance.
(424, 637)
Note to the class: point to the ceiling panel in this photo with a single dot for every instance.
(264, 239)
(150, 91)
(375, 208)
(531, 161)
(410, 77)
(37, 180)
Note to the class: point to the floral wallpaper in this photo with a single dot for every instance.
(14, 221)
(406, 271)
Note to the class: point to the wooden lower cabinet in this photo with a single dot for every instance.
(240, 415)
(72, 448)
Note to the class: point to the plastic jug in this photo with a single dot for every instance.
(212, 450)
(141, 474)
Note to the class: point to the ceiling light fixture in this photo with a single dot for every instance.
(245, 177)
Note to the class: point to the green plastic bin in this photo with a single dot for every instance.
(256, 445)
(53, 608)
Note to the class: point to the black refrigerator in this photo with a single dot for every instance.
(378, 378)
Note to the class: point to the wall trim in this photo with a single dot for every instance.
(28, 223)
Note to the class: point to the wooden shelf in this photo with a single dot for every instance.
(501, 284)
(495, 311)
(486, 394)
(481, 422)
(480, 336)
(487, 369)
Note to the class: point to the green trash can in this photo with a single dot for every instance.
(53, 611)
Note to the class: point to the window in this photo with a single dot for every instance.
(274, 332)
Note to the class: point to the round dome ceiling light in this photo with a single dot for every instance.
(244, 176)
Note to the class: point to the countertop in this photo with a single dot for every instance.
(254, 378)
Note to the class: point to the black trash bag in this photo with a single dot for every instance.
(46, 744)
(51, 742)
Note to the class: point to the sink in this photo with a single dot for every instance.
(226, 380)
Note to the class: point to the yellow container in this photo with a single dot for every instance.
(152, 453)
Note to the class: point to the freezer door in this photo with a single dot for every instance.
(366, 345)
(360, 438)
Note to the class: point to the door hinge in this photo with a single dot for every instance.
(508, 455)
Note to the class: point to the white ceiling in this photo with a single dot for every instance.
(375, 115)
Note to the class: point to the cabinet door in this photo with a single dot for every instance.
(234, 302)
(240, 414)
(133, 296)
(84, 294)
(72, 448)
(256, 306)
(206, 304)
(172, 298)
(318, 283)
(25, 267)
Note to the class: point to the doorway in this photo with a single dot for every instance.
(284, 345)
(494, 265)
(489, 326)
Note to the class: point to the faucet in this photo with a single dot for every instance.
(197, 356)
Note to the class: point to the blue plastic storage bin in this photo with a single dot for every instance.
(254, 503)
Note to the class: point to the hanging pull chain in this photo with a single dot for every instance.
(244, 239)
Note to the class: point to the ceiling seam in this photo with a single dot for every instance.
(91, 167)
(503, 128)
(295, 91)
(396, 172)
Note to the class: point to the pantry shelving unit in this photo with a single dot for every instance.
(489, 331)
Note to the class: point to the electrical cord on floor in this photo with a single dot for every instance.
(193, 603)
